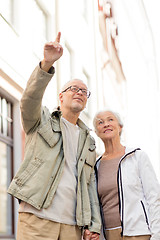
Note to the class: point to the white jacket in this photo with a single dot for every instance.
(139, 195)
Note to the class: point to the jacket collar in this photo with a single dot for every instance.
(57, 114)
(82, 125)
(128, 150)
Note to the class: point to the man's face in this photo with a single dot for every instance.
(74, 101)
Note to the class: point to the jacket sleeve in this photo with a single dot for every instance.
(95, 209)
(32, 98)
(151, 189)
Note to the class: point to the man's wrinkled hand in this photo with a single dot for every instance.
(87, 235)
(52, 52)
(90, 235)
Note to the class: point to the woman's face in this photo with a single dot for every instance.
(107, 126)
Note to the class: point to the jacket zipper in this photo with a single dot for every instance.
(120, 189)
(101, 211)
(145, 213)
(121, 202)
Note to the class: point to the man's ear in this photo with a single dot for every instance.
(61, 97)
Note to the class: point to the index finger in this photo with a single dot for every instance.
(58, 37)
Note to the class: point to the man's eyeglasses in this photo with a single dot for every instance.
(75, 89)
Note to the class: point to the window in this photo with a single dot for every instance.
(6, 169)
(67, 71)
(84, 12)
(109, 33)
(85, 79)
(83, 4)
(38, 26)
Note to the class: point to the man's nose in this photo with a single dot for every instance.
(80, 91)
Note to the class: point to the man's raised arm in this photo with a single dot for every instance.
(32, 97)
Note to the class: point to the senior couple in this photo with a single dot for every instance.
(64, 193)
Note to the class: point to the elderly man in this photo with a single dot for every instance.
(56, 183)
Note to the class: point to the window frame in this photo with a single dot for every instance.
(8, 140)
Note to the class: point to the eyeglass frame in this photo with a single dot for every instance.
(79, 89)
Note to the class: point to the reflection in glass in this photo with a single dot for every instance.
(5, 117)
(5, 200)
(4, 110)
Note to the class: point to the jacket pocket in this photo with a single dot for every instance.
(88, 167)
(144, 210)
(29, 171)
(89, 163)
(90, 160)
(91, 157)
(47, 133)
(92, 146)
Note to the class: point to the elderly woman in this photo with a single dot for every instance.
(129, 192)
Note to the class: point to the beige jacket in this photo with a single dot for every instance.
(40, 172)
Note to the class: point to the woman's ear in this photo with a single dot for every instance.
(120, 130)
